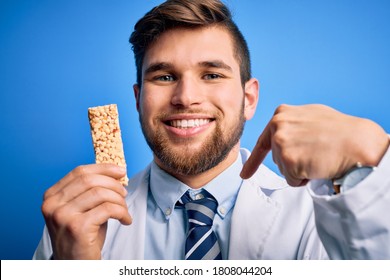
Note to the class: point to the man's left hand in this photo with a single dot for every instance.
(316, 141)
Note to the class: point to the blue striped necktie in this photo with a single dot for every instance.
(201, 243)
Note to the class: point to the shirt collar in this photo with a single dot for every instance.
(167, 190)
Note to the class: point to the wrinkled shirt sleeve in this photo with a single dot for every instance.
(355, 224)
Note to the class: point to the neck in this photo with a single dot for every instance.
(199, 180)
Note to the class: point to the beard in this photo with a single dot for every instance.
(188, 161)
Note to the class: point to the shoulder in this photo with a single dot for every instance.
(264, 177)
(271, 184)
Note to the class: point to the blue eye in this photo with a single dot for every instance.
(165, 78)
(212, 76)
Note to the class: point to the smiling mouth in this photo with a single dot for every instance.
(186, 124)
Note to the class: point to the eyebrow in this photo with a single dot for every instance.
(159, 66)
(215, 64)
(164, 66)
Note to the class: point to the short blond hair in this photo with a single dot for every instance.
(187, 14)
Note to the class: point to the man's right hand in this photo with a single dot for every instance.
(77, 207)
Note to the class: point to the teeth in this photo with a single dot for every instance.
(189, 123)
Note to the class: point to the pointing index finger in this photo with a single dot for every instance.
(260, 151)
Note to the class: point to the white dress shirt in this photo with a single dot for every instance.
(166, 226)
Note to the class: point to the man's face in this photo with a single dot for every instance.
(191, 103)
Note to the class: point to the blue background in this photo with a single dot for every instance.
(57, 58)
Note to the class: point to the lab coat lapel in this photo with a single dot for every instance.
(132, 245)
(137, 208)
(252, 220)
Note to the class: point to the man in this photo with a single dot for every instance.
(194, 93)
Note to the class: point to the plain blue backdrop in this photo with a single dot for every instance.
(57, 58)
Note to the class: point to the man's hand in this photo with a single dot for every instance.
(315, 141)
(76, 210)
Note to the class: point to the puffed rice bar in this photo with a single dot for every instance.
(106, 136)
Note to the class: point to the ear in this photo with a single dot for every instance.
(251, 97)
(137, 94)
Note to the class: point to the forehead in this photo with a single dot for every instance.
(185, 47)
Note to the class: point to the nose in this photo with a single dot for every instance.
(187, 93)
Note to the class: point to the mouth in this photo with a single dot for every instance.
(187, 123)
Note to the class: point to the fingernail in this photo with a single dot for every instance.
(122, 169)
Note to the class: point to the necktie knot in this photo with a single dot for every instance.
(201, 241)
(201, 211)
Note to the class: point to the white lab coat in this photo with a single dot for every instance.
(272, 220)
